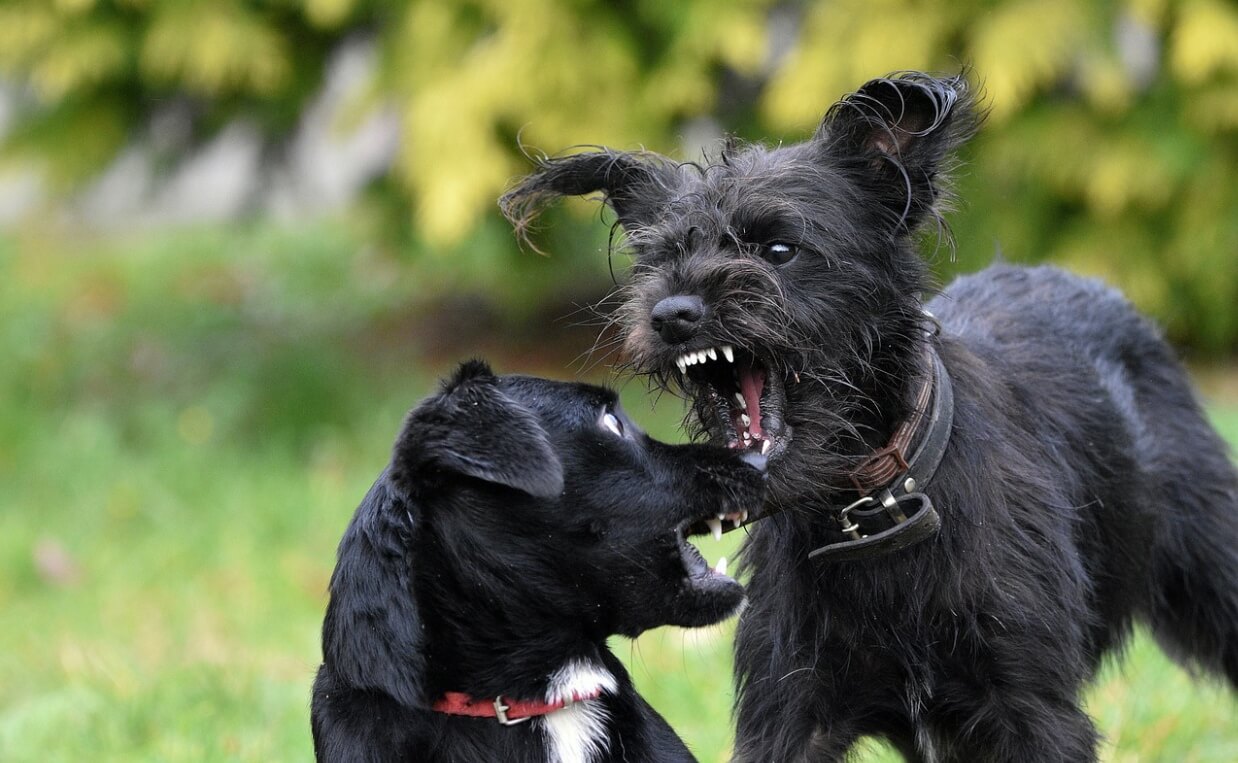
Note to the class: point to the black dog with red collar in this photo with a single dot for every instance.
(520, 524)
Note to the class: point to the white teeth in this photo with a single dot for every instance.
(720, 567)
(743, 404)
(701, 356)
(695, 357)
(738, 519)
(746, 419)
(747, 438)
(765, 446)
(743, 516)
(715, 527)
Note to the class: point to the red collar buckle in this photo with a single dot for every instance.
(500, 713)
(506, 712)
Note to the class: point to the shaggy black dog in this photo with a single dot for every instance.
(1068, 488)
(520, 523)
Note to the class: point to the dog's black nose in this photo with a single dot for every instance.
(755, 460)
(676, 318)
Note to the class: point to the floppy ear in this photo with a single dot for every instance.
(897, 133)
(371, 635)
(635, 186)
(473, 428)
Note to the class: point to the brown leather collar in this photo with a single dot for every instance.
(884, 464)
(892, 512)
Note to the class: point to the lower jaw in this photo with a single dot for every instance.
(776, 446)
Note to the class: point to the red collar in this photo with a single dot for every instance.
(508, 712)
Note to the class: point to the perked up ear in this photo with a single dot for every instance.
(898, 134)
(472, 428)
(634, 185)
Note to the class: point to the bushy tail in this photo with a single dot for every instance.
(1193, 602)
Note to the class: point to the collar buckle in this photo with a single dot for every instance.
(500, 713)
(912, 520)
(890, 514)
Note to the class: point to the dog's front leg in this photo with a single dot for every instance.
(787, 724)
(785, 709)
(972, 724)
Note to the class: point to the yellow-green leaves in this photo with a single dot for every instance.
(1022, 47)
(215, 47)
(843, 44)
(1110, 144)
(1205, 41)
(474, 79)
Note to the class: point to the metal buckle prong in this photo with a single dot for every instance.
(890, 504)
(500, 713)
(849, 527)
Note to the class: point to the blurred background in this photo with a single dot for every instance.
(239, 238)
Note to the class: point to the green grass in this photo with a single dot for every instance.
(186, 424)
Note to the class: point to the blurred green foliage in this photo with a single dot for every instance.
(1112, 145)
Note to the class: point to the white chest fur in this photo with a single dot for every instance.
(577, 733)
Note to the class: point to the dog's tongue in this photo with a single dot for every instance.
(751, 383)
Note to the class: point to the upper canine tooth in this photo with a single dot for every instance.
(715, 528)
(728, 353)
(682, 365)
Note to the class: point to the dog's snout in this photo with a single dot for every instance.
(676, 318)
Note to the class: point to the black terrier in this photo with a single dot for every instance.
(966, 511)
(520, 523)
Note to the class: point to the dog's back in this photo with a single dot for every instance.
(1170, 558)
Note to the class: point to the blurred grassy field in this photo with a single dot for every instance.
(186, 424)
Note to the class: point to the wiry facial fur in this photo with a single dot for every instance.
(838, 324)
(1082, 489)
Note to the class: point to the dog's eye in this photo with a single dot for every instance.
(611, 423)
(778, 253)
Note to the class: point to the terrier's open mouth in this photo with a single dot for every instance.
(738, 397)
